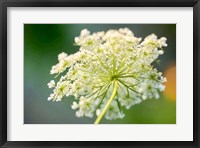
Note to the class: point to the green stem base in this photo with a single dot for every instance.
(108, 103)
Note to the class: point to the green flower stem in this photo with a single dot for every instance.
(108, 103)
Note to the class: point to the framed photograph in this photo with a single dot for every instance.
(99, 73)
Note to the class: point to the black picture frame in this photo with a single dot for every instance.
(4, 4)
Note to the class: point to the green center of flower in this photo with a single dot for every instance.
(113, 77)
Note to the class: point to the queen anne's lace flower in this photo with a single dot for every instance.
(108, 61)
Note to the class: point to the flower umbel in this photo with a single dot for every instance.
(112, 70)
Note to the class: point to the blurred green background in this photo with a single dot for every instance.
(42, 44)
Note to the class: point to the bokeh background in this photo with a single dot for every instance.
(42, 44)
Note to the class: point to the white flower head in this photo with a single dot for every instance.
(51, 84)
(111, 71)
(62, 56)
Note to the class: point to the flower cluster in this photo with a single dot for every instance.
(104, 58)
